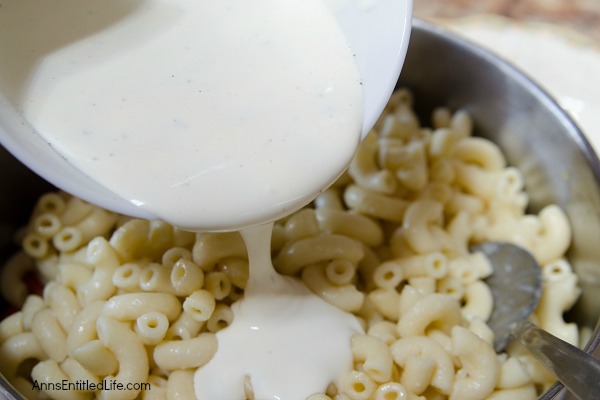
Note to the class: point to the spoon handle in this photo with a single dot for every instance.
(578, 371)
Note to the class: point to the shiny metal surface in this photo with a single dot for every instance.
(577, 370)
(516, 287)
(537, 136)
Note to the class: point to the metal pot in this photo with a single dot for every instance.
(558, 163)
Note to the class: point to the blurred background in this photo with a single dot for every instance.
(555, 42)
(582, 16)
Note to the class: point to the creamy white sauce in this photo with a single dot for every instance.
(212, 115)
(286, 340)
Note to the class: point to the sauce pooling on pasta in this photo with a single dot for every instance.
(284, 340)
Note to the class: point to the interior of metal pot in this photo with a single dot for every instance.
(536, 135)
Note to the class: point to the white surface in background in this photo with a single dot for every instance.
(562, 61)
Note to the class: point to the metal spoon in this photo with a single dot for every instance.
(516, 287)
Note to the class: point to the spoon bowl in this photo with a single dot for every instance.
(516, 286)
(376, 31)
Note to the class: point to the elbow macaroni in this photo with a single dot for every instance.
(141, 301)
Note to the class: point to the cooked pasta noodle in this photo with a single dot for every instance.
(142, 301)
(11, 278)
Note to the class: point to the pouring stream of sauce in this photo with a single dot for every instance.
(289, 342)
